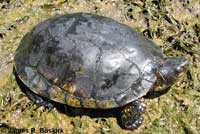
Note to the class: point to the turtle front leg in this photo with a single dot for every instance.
(131, 115)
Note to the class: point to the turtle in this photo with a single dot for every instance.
(91, 61)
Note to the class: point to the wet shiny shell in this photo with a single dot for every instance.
(86, 60)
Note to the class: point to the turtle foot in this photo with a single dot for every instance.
(131, 115)
(39, 101)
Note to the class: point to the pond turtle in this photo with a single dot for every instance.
(90, 61)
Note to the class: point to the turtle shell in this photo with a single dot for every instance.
(86, 60)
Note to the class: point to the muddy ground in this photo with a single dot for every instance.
(174, 25)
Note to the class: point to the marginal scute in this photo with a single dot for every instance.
(105, 104)
(89, 103)
(72, 101)
(56, 94)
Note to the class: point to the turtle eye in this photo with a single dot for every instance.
(179, 69)
(183, 66)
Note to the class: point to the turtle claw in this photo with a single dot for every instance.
(49, 106)
(131, 115)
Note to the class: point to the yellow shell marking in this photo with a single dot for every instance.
(55, 80)
(69, 88)
(105, 104)
(56, 94)
(87, 103)
(72, 101)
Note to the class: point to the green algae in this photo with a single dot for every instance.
(171, 24)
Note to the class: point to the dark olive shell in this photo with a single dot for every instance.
(86, 60)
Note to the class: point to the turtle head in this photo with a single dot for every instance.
(171, 70)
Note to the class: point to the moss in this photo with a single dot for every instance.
(173, 25)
